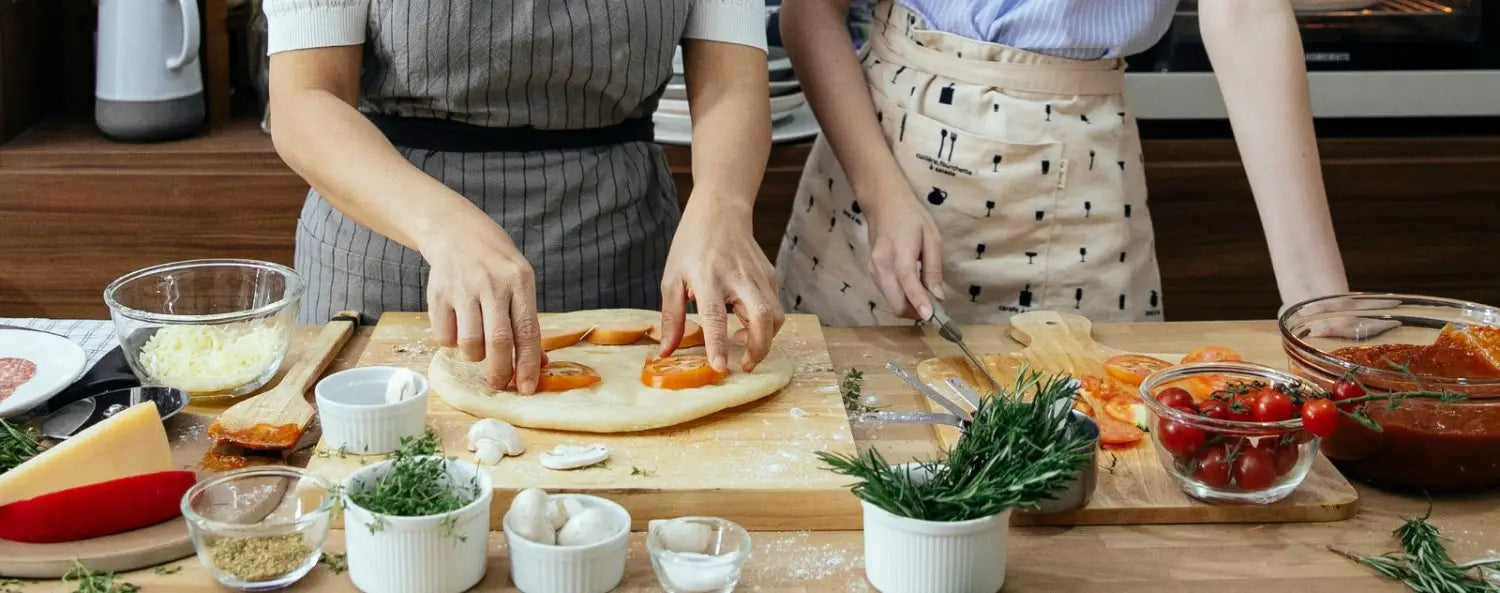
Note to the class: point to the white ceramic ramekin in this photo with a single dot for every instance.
(355, 417)
(905, 555)
(595, 568)
(434, 554)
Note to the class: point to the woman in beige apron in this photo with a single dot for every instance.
(1011, 180)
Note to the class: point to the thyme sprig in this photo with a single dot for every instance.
(92, 581)
(851, 389)
(1424, 565)
(416, 485)
(336, 563)
(17, 445)
(1015, 454)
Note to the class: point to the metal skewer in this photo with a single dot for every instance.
(964, 391)
(929, 392)
(915, 418)
(949, 330)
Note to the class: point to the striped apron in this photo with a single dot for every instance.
(1030, 165)
(594, 221)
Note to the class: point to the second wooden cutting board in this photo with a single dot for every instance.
(754, 464)
(1132, 488)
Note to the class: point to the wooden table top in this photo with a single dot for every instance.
(1106, 559)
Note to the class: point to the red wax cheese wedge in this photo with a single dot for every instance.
(96, 510)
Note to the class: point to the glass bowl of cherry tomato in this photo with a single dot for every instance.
(1249, 439)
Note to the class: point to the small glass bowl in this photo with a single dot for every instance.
(247, 305)
(711, 568)
(252, 504)
(1285, 445)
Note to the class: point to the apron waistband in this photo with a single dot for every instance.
(445, 135)
(901, 37)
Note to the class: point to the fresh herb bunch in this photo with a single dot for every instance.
(851, 389)
(1015, 454)
(89, 581)
(17, 445)
(417, 483)
(1424, 564)
(336, 563)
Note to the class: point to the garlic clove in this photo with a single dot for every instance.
(488, 451)
(565, 457)
(591, 526)
(401, 386)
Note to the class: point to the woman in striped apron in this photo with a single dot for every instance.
(982, 151)
(485, 160)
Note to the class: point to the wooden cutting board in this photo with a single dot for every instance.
(1132, 487)
(754, 464)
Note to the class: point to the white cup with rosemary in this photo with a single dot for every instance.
(940, 526)
(418, 521)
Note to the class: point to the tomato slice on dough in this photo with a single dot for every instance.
(618, 334)
(684, 371)
(692, 334)
(1131, 369)
(1212, 354)
(561, 375)
(553, 340)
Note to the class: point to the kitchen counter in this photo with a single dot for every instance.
(1119, 559)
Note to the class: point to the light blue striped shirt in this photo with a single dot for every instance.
(1077, 29)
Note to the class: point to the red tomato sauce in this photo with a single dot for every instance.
(1432, 360)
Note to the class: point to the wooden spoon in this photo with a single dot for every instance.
(275, 419)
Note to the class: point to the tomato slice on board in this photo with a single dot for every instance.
(1131, 369)
(618, 334)
(1120, 409)
(692, 334)
(1116, 433)
(561, 375)
(1100, 388)
(1213, 354)
(553, 340)
(683, 371)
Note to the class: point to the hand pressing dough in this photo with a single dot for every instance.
(619, 402)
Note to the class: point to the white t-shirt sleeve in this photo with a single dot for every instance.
(306, 24)
(731, 21)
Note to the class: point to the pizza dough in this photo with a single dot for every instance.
(617, 403)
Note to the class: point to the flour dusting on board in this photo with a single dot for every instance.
(806, 561)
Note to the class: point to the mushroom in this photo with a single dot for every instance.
(528, 517)
(402, 385)
(559, 509)
(488, 451)
(590, 526)
(564, 457)
(489, 428)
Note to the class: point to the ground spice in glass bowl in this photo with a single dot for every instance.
(260, 558)
(259, 528)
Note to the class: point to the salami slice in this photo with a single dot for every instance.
(14, 372)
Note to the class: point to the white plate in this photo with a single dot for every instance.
(678, 130)
(59, 362)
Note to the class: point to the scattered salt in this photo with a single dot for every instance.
(869, 400)
(798, 413)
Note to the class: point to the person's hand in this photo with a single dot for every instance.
(714, 260)
(906, 253)
(481, 298)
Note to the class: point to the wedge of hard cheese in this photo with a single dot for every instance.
(130, 443)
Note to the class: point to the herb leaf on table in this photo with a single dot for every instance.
(1016, 453)
(1424, 566)
(17, 445)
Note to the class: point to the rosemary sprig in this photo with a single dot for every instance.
(851, 390)
(1424, 564)
(17, 444)
(1015, 454)
(89, 581)
(416, 485)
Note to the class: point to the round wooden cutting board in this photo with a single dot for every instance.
(149, 546)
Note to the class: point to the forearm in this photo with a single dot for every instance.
(351, 164)
(727, 90)
(818, 42)
(1256, 52)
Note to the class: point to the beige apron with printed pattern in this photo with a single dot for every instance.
(1030, 165)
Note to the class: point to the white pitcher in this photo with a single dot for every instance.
(148, 79)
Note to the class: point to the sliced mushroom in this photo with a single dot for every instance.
(500, 432)
(401, 386)
(565, 457)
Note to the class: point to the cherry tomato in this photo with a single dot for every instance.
(1320, 417)
(1282, 450)
(561, 375)
(1347, 390)
(1131, 369)
(683, 371)
(1254, 469)
(1237, 409)
(692, 334)
(1115, 432)
(1212, 354)
(1271, 405)
(618, 334)
(1179, 438)
(1211, 466)
(1177, 397)
(1215, 408)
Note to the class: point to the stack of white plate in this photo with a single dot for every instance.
(791, 118)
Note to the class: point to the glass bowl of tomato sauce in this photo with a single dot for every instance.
(1242, 441)
(1374, 343)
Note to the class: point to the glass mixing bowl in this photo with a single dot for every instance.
(259, 529)
(212, 327)
(1424, 444)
